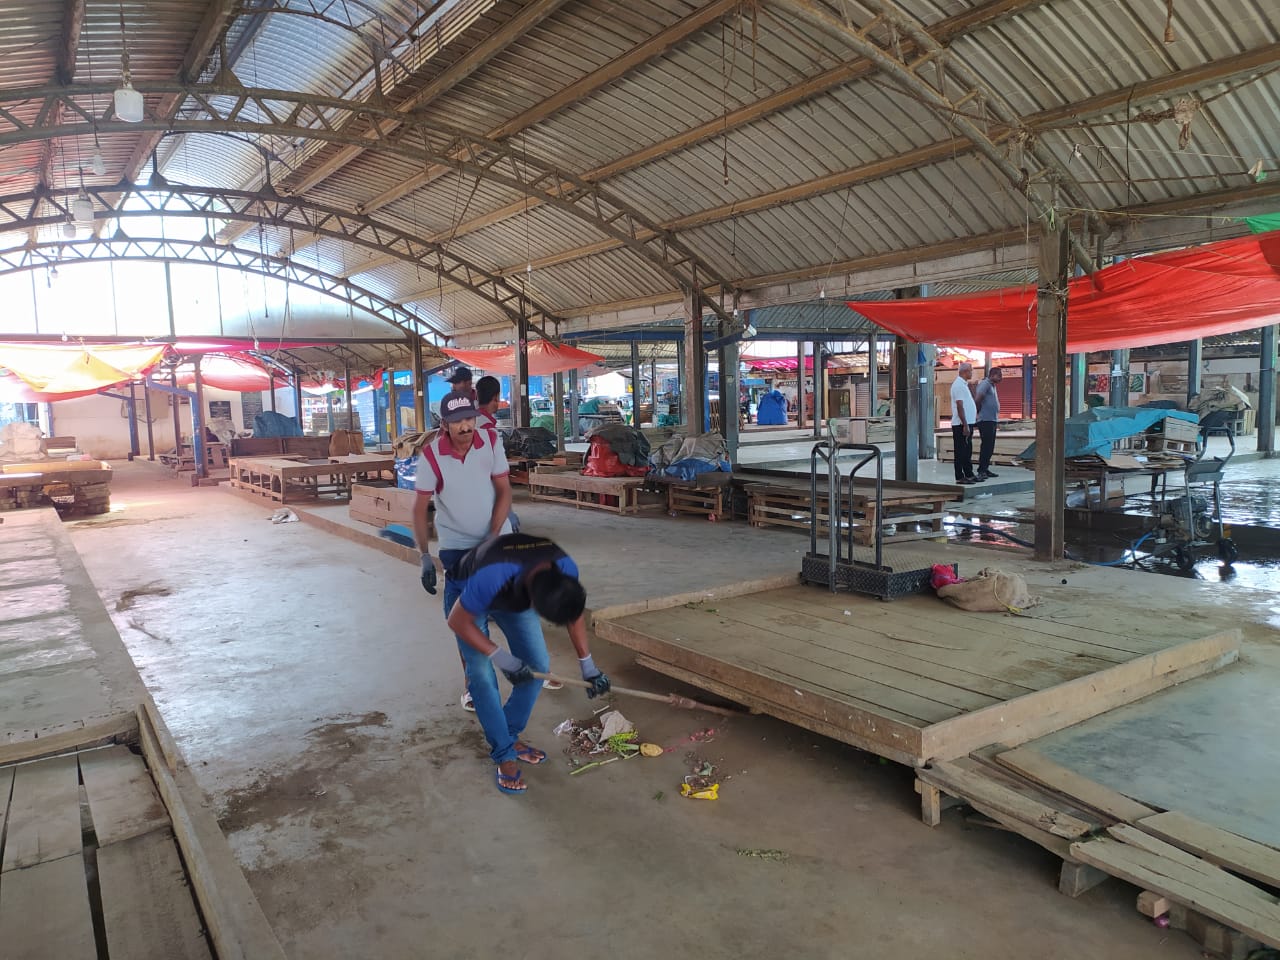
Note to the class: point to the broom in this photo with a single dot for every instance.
(670, 699)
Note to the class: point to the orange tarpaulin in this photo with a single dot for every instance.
(1202, 291)
(232, 371)
(65, 370)
(544, 359)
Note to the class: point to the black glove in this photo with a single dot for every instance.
(591, 673)
(428, 574)
(512, 667)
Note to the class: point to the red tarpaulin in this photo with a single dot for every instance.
(544, 359)
(1203, 291)
(237, 372)
(774, 364)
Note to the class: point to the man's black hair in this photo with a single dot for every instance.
(558, 597)
(486, 389)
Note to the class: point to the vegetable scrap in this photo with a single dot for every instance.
(709, 793)
(609, 736)
(778, 856)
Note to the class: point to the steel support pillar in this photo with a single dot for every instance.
(1195, 367)
(1119, 393)
(819, 387)
(1267, 393)
(574, 431)
(693, 396)
(419, 387)
(520, 381)
(680, 384)
(928, 359)
(1079, 382)
(151, 437)
(873, 373)
(346, 389)
(635, 384)
(557, 410)
(1051, 348)
(1028, 384)
(134, 449)
(197, 424)
(906, 411)
(800, 417)
(729, 422)
(177, 417)
(297, 395)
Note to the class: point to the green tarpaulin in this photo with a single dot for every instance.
(1264, 223)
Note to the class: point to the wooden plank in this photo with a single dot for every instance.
(6, 791)
(123, 802)
(999, 670)
(147, 906)
(1151, 904)
(44, 912)
(44, 813)
(232, 915)
(1036, 714)
(971, 786)
(699, 639)
(621, 610)
(839, 669)
(1228, 850)
(1223, 897)
(118, 729)
(772, 709)
(1133, 837)
(1038, 768)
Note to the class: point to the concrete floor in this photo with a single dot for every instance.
(313, 688)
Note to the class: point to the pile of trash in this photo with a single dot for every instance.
(606, 737)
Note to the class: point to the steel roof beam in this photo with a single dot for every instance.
(166, 250)
(237, 109)
(525, 20)
(210, 203)
(1260, 58)
(641, 53)
(944, 31)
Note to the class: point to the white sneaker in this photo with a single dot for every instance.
(552, 685)
(466, 702)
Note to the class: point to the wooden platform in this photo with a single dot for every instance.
(913, 681)
(288, 480)
(1009, 444)
(73, 487)
(622, 495)
(916, 515)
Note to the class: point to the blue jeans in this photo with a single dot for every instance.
(502, 723)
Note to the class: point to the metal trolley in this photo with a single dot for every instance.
(845, 565)
(1190, 520)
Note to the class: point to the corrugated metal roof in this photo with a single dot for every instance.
(782, 208)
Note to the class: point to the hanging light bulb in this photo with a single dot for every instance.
(129, 104)
(82, 206)
(69, 228)
(97, 164)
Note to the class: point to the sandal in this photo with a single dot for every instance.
(529, 754)
(509, 784)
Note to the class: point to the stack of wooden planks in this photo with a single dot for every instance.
(915, 515)
(1212, 883)
(75, 487)
(1009, 443)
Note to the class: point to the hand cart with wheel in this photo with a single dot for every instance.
(1191, 519)
(847, 565)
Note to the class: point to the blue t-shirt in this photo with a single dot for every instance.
(494, 576)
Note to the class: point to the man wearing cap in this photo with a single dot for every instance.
(461, 380)
(465, 469)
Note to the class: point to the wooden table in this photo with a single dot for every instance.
(290, 479)
(615, 494)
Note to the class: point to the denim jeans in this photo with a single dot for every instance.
(502, 723)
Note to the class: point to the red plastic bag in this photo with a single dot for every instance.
(943, 574)
(603, 462)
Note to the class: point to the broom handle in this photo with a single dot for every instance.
(669, 699)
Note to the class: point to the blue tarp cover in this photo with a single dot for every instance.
(1093, 432)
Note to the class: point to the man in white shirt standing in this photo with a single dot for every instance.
(964, 412)
(465, 469)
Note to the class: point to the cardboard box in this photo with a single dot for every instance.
(382, 504)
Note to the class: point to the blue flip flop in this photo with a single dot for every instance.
(499, 777)
(528, 754)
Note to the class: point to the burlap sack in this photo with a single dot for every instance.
(990, 591)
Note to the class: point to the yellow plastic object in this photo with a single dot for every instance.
(710, 793)
(650, 750)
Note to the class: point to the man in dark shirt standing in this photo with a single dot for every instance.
(987, 400)
(517, 581)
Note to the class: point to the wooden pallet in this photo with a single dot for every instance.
(76, 487)
(698, 501)
(622, 495)
(1009, 444)
(912, 681)
(1156, 444)
(790, 506)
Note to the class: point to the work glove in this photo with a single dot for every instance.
(512, 667)
(591, 673)
(428, 574)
